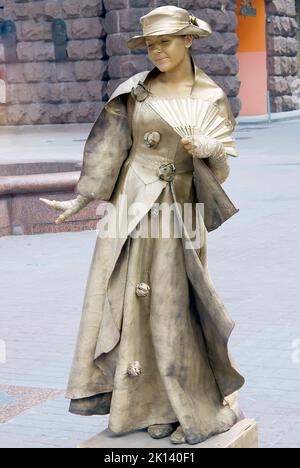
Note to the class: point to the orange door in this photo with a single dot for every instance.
(252, 56)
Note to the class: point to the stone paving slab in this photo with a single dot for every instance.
(49, 426)
(15, 400)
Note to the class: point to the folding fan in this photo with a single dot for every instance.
(188, 117)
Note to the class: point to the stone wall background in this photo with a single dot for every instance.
(42, 90)
(2, 75)
(283, 47)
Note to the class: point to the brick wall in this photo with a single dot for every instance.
(2, 75)
(283, 47)
(41, 89)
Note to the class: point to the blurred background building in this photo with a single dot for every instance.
(61, 59)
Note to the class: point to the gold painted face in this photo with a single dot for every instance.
(167, 51)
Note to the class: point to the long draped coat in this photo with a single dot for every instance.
(192, 378)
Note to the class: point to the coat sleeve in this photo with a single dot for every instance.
(220, 169)
(105, 151)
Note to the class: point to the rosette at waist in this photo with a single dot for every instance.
(150, 169)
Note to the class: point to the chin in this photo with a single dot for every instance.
(165, 66)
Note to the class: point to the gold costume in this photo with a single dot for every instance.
(154, 332)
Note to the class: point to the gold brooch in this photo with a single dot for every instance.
(166, 171)
(152, 139)
(134, 369)
(140, 92)
(142, 289)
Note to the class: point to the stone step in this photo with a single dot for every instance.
(22, 211)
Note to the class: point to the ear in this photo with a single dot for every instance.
(188, 40)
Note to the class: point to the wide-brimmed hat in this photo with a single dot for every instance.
(169, 20)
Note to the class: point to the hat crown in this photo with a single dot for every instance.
(167, 12)
(167, 16)
(169, 20)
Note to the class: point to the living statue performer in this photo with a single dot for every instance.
(152, 349)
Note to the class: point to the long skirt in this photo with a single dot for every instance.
(161, 331)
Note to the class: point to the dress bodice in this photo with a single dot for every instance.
(155, 143)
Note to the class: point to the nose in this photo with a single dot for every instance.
(157, 48)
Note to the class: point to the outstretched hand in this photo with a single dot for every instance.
(69, 207)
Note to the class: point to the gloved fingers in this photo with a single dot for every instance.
(188, 144)
(186, 140)
(70, 211)
(64, 216)
(56, 205)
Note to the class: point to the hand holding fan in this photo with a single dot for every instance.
(190, 117)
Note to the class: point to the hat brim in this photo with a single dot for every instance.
(137, 42)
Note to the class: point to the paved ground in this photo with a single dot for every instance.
(43, 142)
(254, 261)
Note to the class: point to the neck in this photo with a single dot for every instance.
(182, 72)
